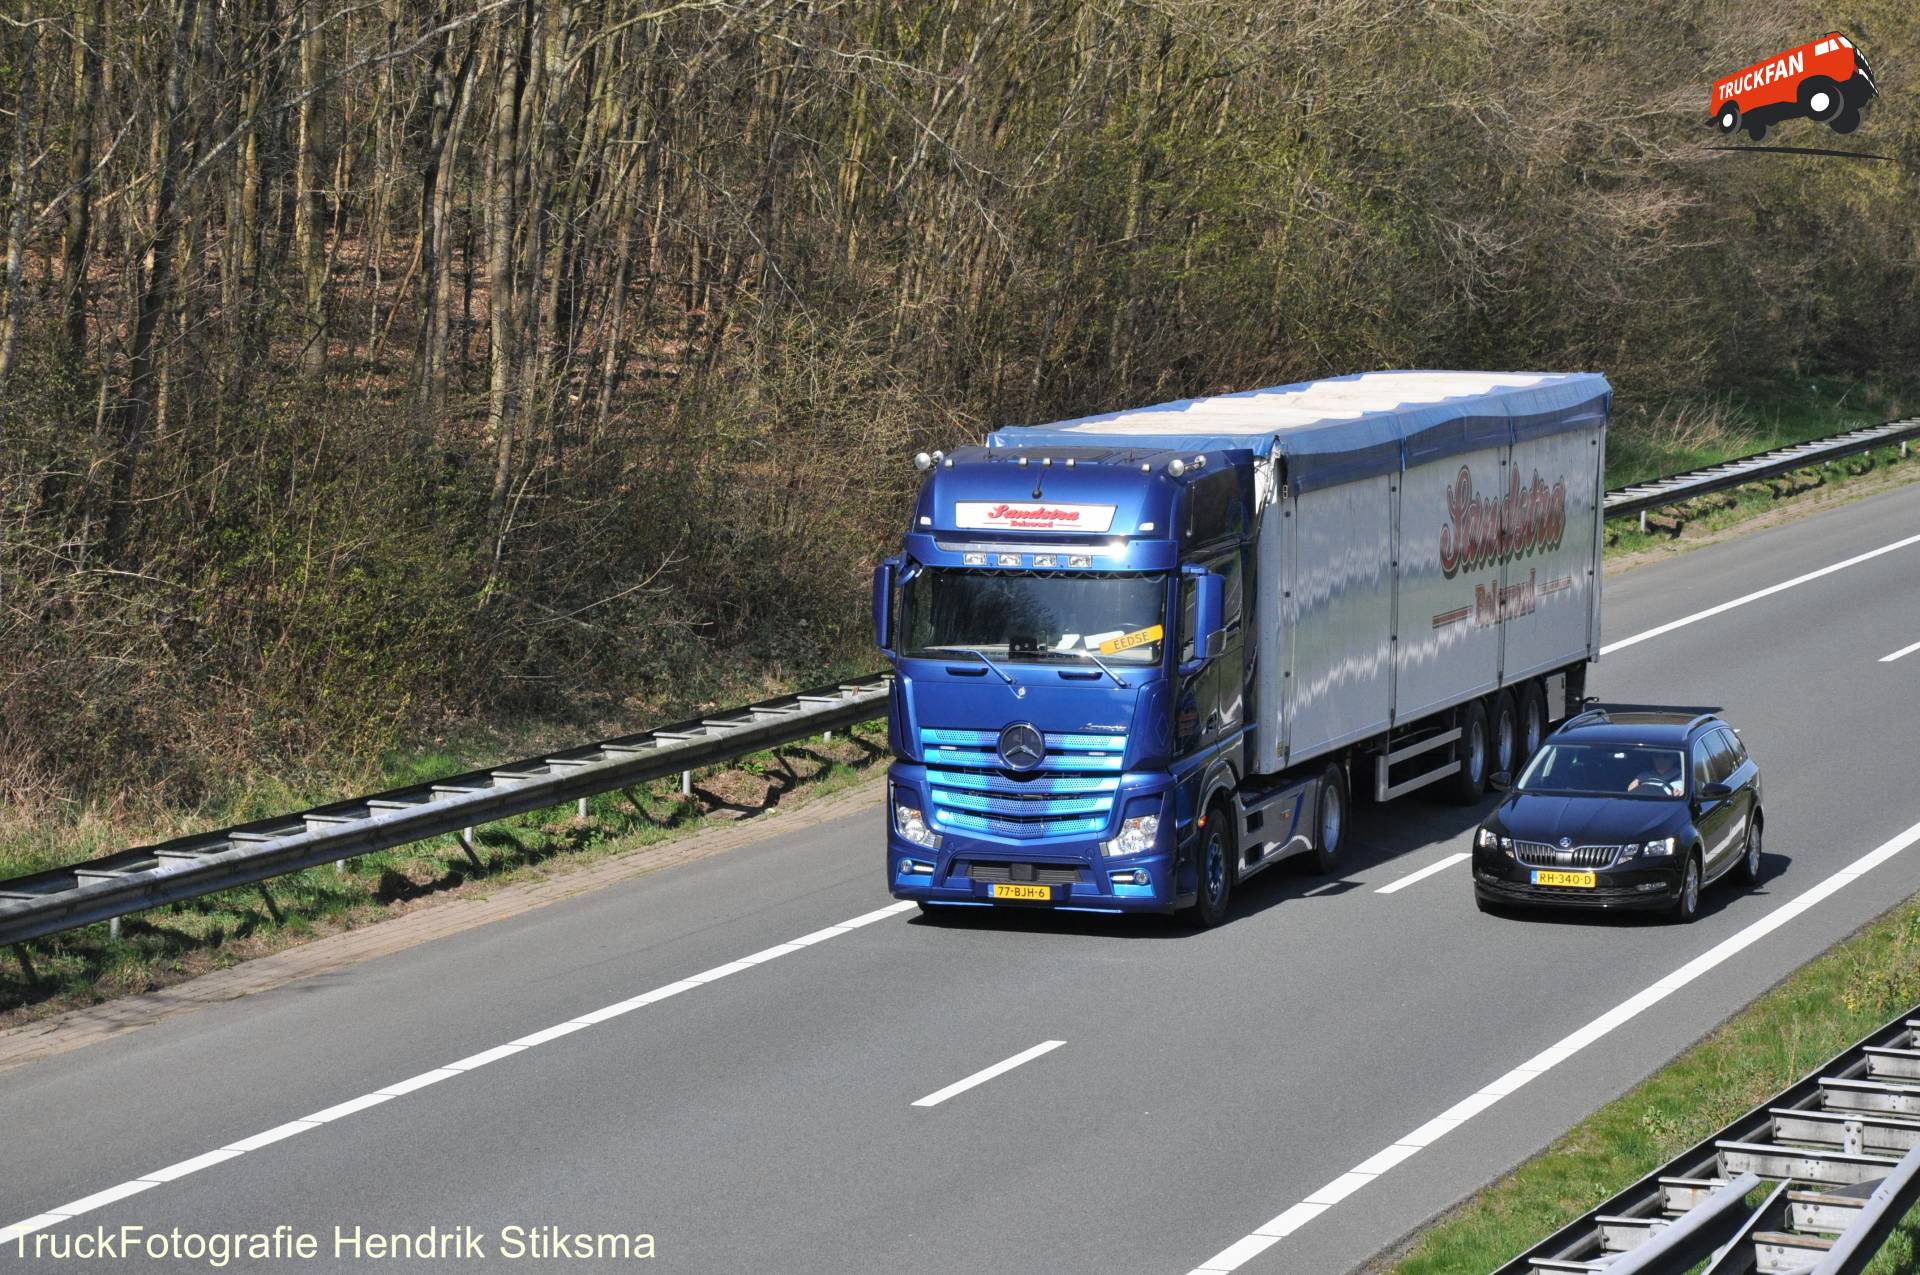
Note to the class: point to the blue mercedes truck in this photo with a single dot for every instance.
(1140, 657)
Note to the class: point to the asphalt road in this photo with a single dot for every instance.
(765, 1120)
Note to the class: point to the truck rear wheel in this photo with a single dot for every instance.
(1330, 822)
(1506, 736)
(1214, 889)
(1533, 722)
(1464, 786)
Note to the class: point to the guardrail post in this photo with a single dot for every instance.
(686, 783)
(580, 808)
(466, 843)
(113, 929)
(1903, 449)
(1643, 522)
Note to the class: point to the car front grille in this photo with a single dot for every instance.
(1536, 854)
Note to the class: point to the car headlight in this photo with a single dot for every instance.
(908, 822)
(1137, 836)
(1488, 839)
(1659, 846)
(1629, 851)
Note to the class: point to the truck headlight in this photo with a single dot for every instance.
(1137, 836)
(908, 822)
(1658, 846)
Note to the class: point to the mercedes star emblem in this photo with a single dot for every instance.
(1022, 746)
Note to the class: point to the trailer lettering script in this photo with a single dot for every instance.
(1484, 530)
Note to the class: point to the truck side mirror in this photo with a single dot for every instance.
(1208, 638)
(883, 604)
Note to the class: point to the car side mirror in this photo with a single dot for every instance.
(1714, 792)
(1500, 780)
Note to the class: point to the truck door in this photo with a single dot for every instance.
(1210, 705)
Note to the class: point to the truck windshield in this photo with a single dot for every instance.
(1118, 618)
(1597, 770)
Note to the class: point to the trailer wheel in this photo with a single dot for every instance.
(1820, 98)
(1330, 820)
(1465, 785)
(1728, 121)
(1214, 889)
(1533, 723)
(1506, 736)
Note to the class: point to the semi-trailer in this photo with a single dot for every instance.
(1144, 655)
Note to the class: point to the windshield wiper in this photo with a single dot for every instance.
(980, 655)
(1118, 681)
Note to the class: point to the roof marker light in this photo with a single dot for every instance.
(1199, 462)
(1176, 467)
(922, 462)
(1023, 460)
(1146, 526)
(1069, 462)
(1145, 468)
(1046, 461)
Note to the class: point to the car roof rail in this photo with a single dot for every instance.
(1700, 721)
(1589, 717)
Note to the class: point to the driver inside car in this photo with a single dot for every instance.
(1663, 779)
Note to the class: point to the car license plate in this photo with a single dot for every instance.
(1581, 880)
(1036, 893)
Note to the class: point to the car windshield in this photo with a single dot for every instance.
(1064, 617)
(1607, 771)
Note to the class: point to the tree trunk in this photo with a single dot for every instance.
(503, 403)
(20, 195)
(135, 411)
(87, 27)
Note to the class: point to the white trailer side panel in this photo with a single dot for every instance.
(1341, 684)
(1552, 561)
(1449, 635)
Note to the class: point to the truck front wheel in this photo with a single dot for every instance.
(1215, 869)
(1330, 828)
(1464, 786)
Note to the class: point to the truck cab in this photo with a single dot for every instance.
(1066, 626)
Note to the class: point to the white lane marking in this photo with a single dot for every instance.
(448, 1071)
(1755, 596)
(1426, 872)
(1322, 889)
(981, 1077)
(1266, 1235)
(1905, 650)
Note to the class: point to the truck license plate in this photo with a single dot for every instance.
(1583, 880)
(1037, 893)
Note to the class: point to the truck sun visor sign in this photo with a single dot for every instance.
(1032, 516)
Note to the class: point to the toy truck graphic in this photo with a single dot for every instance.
(1827, 81)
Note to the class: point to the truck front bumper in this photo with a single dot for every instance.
(987, 874)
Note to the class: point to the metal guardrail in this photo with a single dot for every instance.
(1843, 1145)
(1641, 497)
(116, 885)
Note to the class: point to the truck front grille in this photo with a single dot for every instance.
(1070, 793)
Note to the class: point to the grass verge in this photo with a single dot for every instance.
(1812, 1015)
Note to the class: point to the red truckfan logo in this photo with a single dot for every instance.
(1489, 529)
(1827, 81)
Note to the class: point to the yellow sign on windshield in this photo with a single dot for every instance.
(1127, 641)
